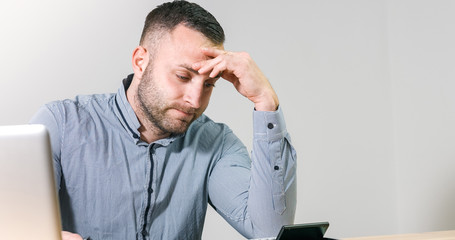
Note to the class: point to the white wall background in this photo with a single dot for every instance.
(367, 88)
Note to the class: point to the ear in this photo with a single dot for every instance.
(140, 61)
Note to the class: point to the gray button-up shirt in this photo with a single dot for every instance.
(112, 185)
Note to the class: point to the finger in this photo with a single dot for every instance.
(217, 71)
(196, 66)
(202, 64)
(70, 236)
(208, 65)
(212, 52)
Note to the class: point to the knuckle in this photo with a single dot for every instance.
(245, 54)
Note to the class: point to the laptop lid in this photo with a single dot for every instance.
(28, 200)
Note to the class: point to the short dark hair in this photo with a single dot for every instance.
(167, 16)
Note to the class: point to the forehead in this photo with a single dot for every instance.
(184, 44)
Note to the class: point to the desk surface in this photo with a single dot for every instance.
(444, 235)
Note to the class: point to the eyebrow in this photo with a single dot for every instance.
(189, 68)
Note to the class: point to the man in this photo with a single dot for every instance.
(145, 162)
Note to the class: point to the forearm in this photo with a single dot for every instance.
(261, 195)
(252, 196)
(272, 193)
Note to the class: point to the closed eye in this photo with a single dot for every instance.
(209, 85)
(183, 77)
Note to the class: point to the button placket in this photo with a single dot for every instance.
(149, 190)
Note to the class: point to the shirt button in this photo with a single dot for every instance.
(150, 190)
(144, 232)
(276, 168)
(270, 125)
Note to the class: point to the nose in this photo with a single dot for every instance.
(193, 95)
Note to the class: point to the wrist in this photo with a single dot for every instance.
(269, 103)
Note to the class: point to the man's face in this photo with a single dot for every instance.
(171, 94)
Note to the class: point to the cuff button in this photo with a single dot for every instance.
(270, 125)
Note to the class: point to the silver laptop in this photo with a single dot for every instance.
(28, 200)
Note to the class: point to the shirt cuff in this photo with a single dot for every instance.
(269, 126)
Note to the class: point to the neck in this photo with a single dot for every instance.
(151, 134)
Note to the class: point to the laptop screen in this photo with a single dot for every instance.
(28, 199)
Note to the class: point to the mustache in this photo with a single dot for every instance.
(184, 108)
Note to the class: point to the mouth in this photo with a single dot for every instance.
(185, 113)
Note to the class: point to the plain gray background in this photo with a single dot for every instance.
(367, 88)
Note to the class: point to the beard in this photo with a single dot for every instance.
(156, 109)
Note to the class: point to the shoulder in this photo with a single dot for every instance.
(81, 103)
(83, 110)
